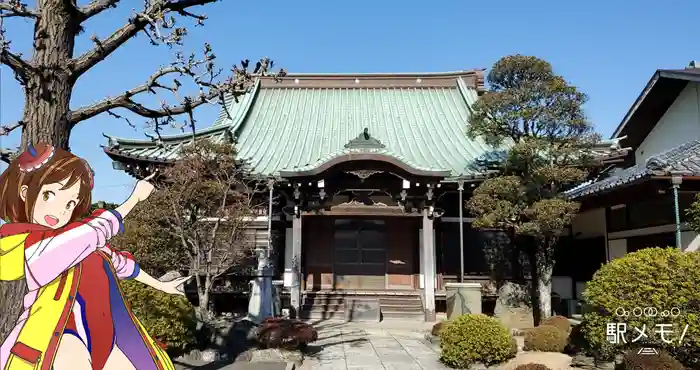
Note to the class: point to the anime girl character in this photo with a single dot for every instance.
(75, 316)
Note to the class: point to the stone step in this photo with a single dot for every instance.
(331, 305)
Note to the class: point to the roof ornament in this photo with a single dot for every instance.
(364, 141)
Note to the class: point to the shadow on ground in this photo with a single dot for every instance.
(236, 344)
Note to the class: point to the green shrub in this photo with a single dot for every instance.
(168, 318)
(546, 338)
(560, 322)
(660, 278)
(663, 361)
(439, 327)
(532, 366)
(475, 338)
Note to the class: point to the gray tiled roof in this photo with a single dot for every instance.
(683, 158)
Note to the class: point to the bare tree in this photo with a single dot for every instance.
(206, 203)
(49, 76)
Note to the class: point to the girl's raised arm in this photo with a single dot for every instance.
(50, 253)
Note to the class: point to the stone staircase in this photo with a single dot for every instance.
(330, 305)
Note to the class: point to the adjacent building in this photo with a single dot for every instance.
(641, 201)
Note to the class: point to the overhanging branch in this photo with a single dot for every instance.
(15, 8)
(96, 7)
(15, 62)
(154, 15)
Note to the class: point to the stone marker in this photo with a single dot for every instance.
(362, 309)
(512, 307)
(462, 298)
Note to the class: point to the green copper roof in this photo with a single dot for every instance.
(297, 129)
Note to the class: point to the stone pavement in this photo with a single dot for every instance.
(236, 366)
(371, 347)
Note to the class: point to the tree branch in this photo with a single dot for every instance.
(15, 8)
(125, 100)
(96, 7)
(201, 71)
(154, 16)
(15, 62)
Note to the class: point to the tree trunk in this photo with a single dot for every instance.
(47, 103)
(48, 91)
(544, 290)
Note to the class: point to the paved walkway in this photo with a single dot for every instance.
(345, 347)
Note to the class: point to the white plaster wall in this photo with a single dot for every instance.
(589, 224)
(679, 125)
(690, 240)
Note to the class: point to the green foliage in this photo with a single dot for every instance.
(475, 338)
(546, 338)
(536, 118)
(532, 366)
(693, 214)
(168, 318)
(147, 236)
(439, 327)
(560, 322)
(663, 361)
(659, 278)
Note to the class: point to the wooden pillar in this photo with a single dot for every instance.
(296, 265)
(428, 262)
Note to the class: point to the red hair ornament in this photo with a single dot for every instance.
(33, 158)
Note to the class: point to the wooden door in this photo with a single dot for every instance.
(360, 254)
(401, 247)
(318, 252)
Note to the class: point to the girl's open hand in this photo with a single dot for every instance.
(174, 286)
(143, 188)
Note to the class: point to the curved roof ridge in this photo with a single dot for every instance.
(388, 74)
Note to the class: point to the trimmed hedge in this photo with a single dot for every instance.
(663, 361)
(546, 338)
(560, 322)
(654, 278)
(475, 338)
(168, 318)
(439, 327)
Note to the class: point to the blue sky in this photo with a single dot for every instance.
(609, 49)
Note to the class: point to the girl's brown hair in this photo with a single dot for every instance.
(63, 165)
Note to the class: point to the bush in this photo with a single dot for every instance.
(546, 338)
(663, 361)
(560, 322)
(475, 338)
(285, 333)
(532, 366)
(659, 278)
(168, 318)
(439, 327)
